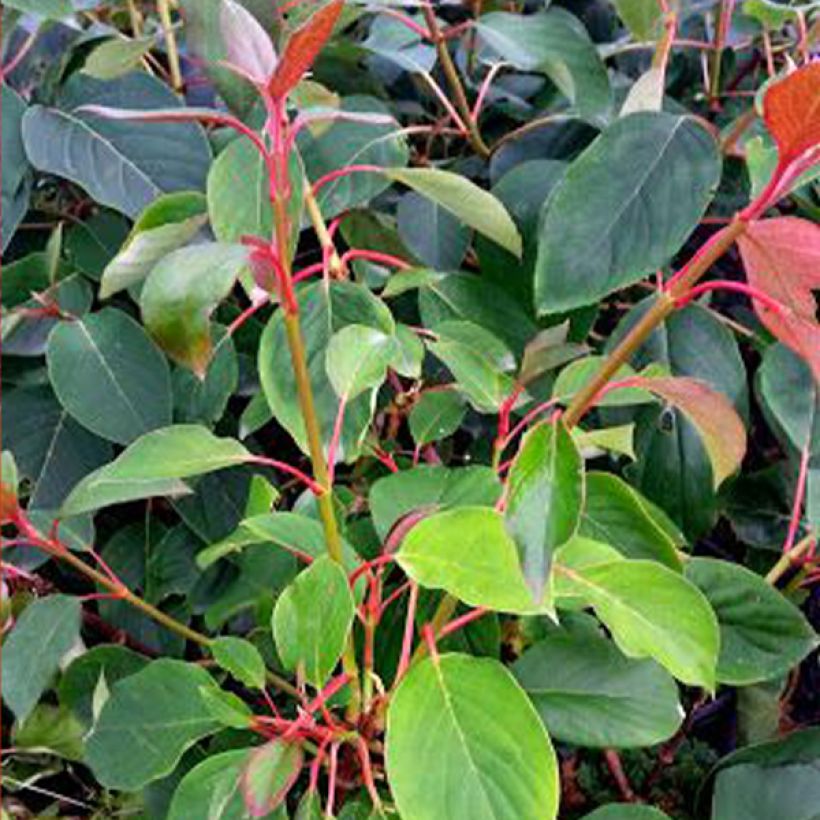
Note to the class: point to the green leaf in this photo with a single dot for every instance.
(109, 376)
(347, 143)
(432, 233)
(170, 222)
(575, 376)
(791, 396)
(357, 358)
(545, 494)
(180, 294)
(479, 361)
(51, 730)
(213, 789)
(117, 56)
(124, 165)
(436, 415)
(324, 310)
(642, 17)
(675, 625)
(468, 552)
(50, 448)
(493, 758)
(430, 488)
(51, 9)
(312, 619)
(762, 634)
(226, 708)
(77, 683)
(44, 633)
(464, 199)
(241, 659)
(91, 245)
(556, 43)
(600, 233)
(269, 774)
(153, 465)
(589, 694)
(620, 516)
(625, 811)
(16, 180)
(148, 721)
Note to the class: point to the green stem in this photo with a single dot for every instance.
(662, 308)
(447, 606)
(307, 406)
(164, 10)
(789, 559)
(62, 553)
(454, 81)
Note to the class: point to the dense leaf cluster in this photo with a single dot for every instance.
(411, 409)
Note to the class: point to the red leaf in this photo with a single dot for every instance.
(303, 47)
(714, 416)
(782, 258)
(791, 109)
(8, 504)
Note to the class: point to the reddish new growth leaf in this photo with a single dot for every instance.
(716, 420)
(302, 49)
(8, 504)
(782, 258)
(791, 110)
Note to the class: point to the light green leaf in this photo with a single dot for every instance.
(642, 17)
(589, 694)
(472, 205)
(153, 465)
(620, 516)
(436, 415)
(44, 633)
(762, 634)
(575, 375)
(468, 552)
(545, 494)
(494, 759)
(50, 730)
(108, 374)
(618, 440)
(556, 43)
(675, 625)
(241, 659)
(312, 619)
(213, 790)
(226, 708)
(116, 57)
(357, 358)
(180, 294)
(167, 224)
(600, 233)
(147, 723)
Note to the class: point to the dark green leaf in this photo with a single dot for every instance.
(109, 353)
(241, 659)
(600, 232)
(44, 633)
(589, 694)
(762, 634)
(436, 415)
(148, 721)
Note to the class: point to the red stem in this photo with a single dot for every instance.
(736, 287)
(331, 176)
(461, 621)
(409, 632)
(312, 485)
(802, 479)
(375, 256)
